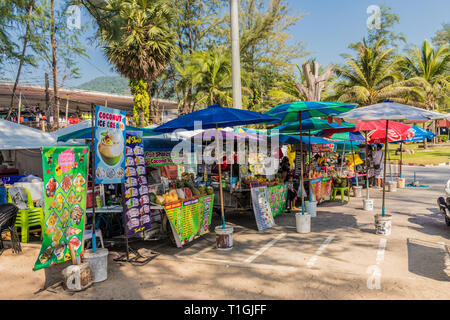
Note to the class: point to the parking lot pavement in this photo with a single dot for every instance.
(341, 258)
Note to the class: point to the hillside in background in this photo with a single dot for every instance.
(116, 85)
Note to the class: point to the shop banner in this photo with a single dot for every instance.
(190, 219)
(137, 201)
(65, 181)
(327, 187)
(110, 128)
(277, 198)
(321, 188)
(163, 158)
(322, 147)
(261, 207)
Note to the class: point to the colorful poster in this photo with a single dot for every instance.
(316, 188)
(327, 187)
(322, 147)
(277, 198)
(163, 158)
(65, 182)
(261, 207)
(190, 219)
(137, 201)
(110, 128)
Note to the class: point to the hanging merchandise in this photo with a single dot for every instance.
(65, 176)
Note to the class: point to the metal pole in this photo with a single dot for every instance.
(310, 164)
(384, 169)
(354, 164)
(219, 160)
(94, 240)
(401, 158)
(235, 55)
(18, 108)
(67, 112)
(301, 162)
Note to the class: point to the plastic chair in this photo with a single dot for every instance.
(31, 216)
(98, 234)
(342, 190)
(8, 214)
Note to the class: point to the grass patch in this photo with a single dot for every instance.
(433, 155)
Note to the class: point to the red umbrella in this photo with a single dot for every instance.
(377, 131)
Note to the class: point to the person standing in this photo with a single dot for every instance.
(378, 164)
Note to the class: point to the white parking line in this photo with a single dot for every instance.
(263, 249)
(444, 250)
(374, 271)
(313, 259)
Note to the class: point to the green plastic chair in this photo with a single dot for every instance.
(30, 217)
(342, 190)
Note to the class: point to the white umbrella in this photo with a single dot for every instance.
(389, 110)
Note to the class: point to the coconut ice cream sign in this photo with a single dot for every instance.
(110, 128)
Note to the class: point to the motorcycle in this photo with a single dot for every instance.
(444, 204)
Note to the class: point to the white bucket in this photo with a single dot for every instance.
(303, 222)
(357, 191)
(391, 186)
(368, 204)
(98, 262)
(224, 237)
(383, 224)
(311, 207)
(401, 183)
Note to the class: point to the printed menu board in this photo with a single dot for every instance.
(64, 171)
(277, 196)
(190, 219)
(261, 206)
(110, 128)
(137, 201)
(163, 158)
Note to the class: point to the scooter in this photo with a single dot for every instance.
(444, 204)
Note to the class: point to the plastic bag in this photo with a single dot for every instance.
(30, 178)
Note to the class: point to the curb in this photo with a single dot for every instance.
(424, 165)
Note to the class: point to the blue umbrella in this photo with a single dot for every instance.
(216, 116)
(420, 134)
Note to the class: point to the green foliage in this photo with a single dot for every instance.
(141, 101)
(443, 137)
(388, 20)
(442, 36)
(116, 85)
(373, 75)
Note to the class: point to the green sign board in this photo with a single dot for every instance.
(65, 182)
(163, 158)
(190, 219)
(277, 198)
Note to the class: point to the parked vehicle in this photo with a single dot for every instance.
(444, 204)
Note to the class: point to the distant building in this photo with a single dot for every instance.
(74, 103)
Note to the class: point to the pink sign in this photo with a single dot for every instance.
(322, 147)
(66, 160)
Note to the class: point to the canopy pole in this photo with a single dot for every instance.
(219, 160)
(384, 170)
(401, 158)
(94, 240)
(310, 162)
(354, 164)
(301, 162)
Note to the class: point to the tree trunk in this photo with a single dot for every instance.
(54, 67)
(47, 103)
(22, 57)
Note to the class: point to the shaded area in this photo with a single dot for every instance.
(426, 259)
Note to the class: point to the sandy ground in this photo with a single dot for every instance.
(341, 258)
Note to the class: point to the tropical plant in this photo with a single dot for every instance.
(373, 75)
(141, 102)
(137, 39)
(385, 31)
(442, 36)
(209, 72)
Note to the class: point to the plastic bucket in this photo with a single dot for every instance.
(357, 191)
(98, 262)
(311, 207)
(368, 204)
(401, 183)
(391, 186)
(224, 237)
(383, 224)
(303, 222)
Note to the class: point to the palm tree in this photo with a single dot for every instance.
(209, 72)
(372, 76)
(138, 40)
(431, 68)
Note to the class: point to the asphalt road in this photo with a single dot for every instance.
(341, 258)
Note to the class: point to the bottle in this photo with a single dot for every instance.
(98, 201)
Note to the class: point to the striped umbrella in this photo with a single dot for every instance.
(301, 110)
(312, 124)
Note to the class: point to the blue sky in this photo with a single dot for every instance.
(328, 28)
